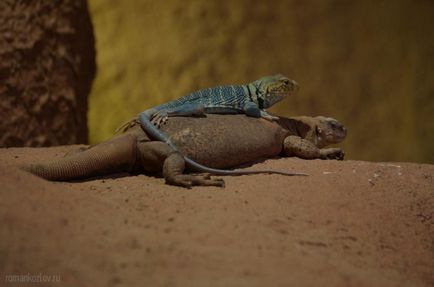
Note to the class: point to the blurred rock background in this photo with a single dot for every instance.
(370, 64)
(47, 65)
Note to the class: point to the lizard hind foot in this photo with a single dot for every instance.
(160, 118)
(332, 153)
(186, 180)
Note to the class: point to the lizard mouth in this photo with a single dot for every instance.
(286, 88)
(280, 94)
(336, 136)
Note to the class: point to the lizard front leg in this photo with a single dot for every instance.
(173, 169)
(252, 110)
(158, 156)
(268, 116)
(296, 146)
(161, 117)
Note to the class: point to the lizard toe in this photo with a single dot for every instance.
(270, 118)
(164, 119)
(202, 175)
(337, 154)
(159, 118)
(155, 121)
(209, 182)
(199, 180)
(180, 181)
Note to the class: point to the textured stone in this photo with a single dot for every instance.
(47, 64)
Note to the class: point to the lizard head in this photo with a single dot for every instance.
(329, 131)
(272, 89)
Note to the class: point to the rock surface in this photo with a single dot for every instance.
(47, 64)
(350, 223)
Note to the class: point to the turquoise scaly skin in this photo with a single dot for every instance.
(251, 99)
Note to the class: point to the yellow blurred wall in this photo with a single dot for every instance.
(370, 64)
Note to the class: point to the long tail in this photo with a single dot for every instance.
(115, 155)
(155, 133)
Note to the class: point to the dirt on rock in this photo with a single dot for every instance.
(349, 223)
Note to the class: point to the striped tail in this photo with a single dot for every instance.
(116, 155)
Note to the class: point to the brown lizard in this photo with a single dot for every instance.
(219, 141)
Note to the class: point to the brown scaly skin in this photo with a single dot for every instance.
(309, 135)
(218, 141)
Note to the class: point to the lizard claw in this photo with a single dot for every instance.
(160, 118)
(202, 175)
(161, 121)
(164, 120)
(270, 117)
(333, 153)
(186, 180)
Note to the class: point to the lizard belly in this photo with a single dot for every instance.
(223, 141)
